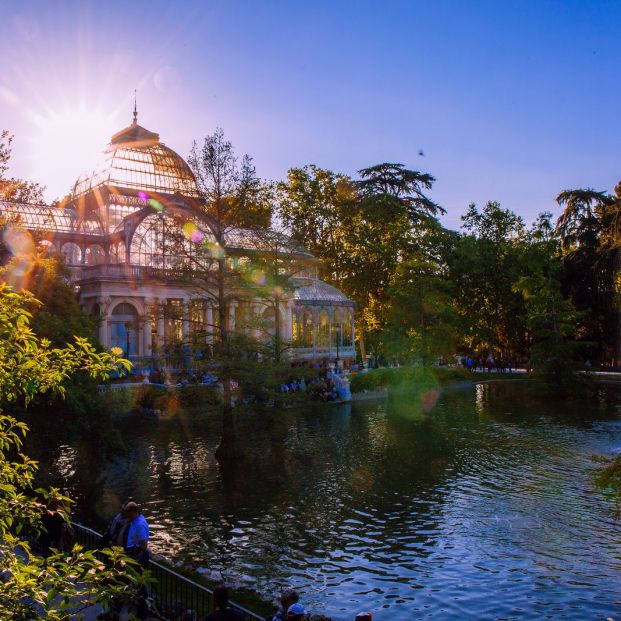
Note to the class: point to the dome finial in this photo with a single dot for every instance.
(135, 110)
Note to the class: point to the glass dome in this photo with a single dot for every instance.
(137, 160)
(312, 290)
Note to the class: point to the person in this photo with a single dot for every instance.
(223, 611)
(137, 547)
(116, 533)
(364, 616)
(56, 533)
(287, 598)
(137, 542)
(296, 612)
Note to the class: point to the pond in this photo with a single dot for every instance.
(482, 506)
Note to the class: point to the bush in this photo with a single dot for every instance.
(379, 379)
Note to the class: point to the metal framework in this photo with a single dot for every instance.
(153, 168)
(51, 219)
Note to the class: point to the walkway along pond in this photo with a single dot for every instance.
(480, 505)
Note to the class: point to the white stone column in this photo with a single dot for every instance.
(232, 307)
(287, 328)
(146, 342)
(103, 332)
(160, 324)
(209, 327)
(147, 345)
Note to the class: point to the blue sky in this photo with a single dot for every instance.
(510, 101)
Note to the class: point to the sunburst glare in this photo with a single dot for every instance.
(71, 137)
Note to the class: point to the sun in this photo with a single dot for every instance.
(69, 142)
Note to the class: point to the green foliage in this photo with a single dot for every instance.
(483, 268)
(362, 230)
(63, 585)
(407, 377)
(421, 320)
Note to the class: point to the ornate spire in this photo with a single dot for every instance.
(135, 110)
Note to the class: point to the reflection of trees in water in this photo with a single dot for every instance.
(300, 475)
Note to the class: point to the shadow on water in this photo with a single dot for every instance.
(477, 505)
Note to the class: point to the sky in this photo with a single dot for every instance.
(508, 101)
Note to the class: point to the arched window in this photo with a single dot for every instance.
(46, 247)
(166, 242)
(72, 253)
(117, 253)
(323, 329)
(269, 319)
(95, 255)
(124, 327)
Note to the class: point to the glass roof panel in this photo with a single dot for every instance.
(51, 219)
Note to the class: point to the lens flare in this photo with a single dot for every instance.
(155, 205)
(215, 250)
(258, 277)
(21, 245)
(143, 196)
(429, 399)
(192, 232)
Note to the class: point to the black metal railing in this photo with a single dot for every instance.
(172, 596)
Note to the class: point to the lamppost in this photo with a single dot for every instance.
(128, 326)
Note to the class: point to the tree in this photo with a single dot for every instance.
(63, 585)
(11, 189)
(484, 267)
(361, 230)
(317, 208)
(404, 187)
(232, 198)
(420, 323)
(588, 230)
(550, 318)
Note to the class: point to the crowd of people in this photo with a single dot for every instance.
(489, 364)
(327, 386)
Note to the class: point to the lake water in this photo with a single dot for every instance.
(482, 507)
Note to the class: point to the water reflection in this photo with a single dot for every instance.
(481, 509)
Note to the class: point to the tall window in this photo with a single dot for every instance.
(296, 332)
(323, 329)
(337, 330)
(347, 329)
(197, 320)
(173, 317)
(308, 327)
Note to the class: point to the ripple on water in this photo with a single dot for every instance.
(485, 509)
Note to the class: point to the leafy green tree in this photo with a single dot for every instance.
(588, 230)
(402, 188)
(62, 586)
(421, 320)
(317, 207)
(550, 317)
(485, 265)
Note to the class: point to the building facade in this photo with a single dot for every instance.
(112, 233)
